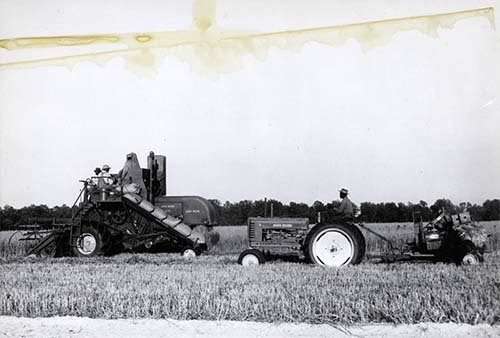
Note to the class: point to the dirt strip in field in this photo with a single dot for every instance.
(78, 327)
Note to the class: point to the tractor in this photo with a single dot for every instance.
(449, 238)
(133, 213)
(324, 244)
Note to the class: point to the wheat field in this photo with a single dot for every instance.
(214, 287)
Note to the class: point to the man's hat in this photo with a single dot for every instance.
(344, 191)
(104, 167)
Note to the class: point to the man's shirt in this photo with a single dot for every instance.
(346, 208)
(105, 179)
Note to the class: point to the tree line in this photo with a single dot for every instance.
(236, 213)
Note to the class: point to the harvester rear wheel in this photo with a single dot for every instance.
(251, 257)
(470, 259)
(469, 254)
(88, 243)
(335, 245)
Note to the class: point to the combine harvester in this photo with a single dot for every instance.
(133, 213)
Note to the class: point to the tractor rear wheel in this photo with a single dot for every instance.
(335, 245)
(88, 243)
(251, 257)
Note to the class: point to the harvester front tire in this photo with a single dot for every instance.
(88, 243)
(335, 245)
(190, 252)
(251, 257)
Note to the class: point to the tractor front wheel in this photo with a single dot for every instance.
(190, 252)
(251, 257)
(88, 243)
(335, 245)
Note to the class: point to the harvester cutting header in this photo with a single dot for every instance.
(131, 210)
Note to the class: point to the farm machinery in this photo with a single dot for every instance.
(132, 212)
(451, 238)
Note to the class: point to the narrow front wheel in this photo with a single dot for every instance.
(251, 257)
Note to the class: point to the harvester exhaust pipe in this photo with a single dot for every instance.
(152, 174)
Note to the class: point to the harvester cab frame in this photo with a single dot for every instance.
(132, 214)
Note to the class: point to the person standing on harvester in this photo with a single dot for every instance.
(95, 179)
(105, 178)
(346, 208)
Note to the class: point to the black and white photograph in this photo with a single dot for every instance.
(237, 168)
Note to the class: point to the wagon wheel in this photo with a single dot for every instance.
(335, 245)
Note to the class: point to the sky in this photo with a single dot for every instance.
(415, 119)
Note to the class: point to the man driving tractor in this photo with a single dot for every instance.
(346, 209)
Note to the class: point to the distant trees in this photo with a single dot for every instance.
(237, 213)
(234, 213)
(490, 210)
